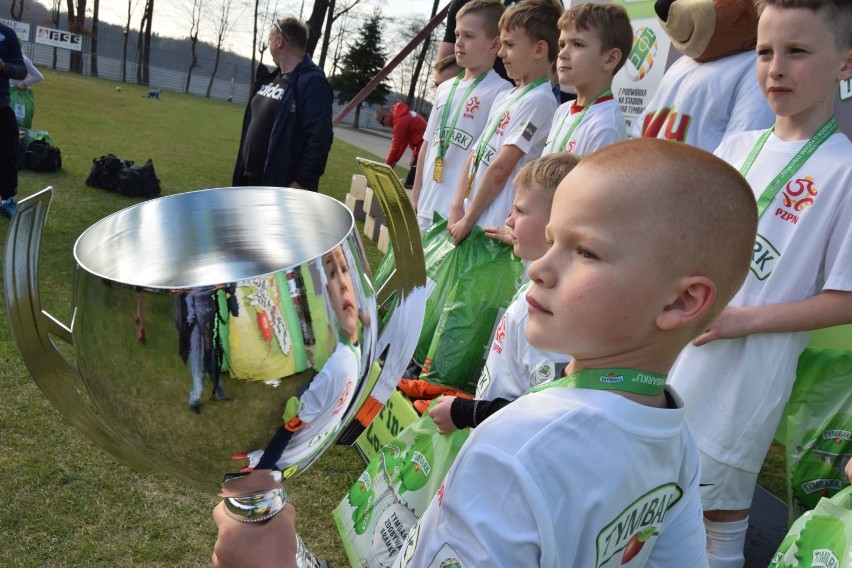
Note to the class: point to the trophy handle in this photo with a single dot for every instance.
(407, 285)
(34, 331)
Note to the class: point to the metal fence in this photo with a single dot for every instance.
(231, 82)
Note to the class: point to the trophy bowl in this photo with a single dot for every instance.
(205, 322)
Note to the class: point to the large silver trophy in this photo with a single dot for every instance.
(207, 324)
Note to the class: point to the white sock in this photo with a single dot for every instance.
(725, 543)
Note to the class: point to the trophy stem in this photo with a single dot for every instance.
(33, 330)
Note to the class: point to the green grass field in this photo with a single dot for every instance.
(64, 501)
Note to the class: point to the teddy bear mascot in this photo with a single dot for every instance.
(712, 91)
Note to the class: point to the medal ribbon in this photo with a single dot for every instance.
(482, 144)
(802, 156)
(626, 380)
(605, 95)
(444, 135)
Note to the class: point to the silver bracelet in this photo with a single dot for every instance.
(256, 507)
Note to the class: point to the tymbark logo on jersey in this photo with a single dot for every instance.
(624, 538)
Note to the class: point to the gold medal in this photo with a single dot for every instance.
(469, 186)
(438, 173)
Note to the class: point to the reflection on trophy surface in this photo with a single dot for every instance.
(208, 327)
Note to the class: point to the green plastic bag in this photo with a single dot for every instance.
(821, 537)
(469, 284)
(817, 427)
(398, 484)
(23, 103)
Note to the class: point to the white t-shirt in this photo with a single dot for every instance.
(603, 125)
(321, 406)
(524, 124)
(567, 477)
(701, 103)
(735, 390)
(513, 365)
(434, 195)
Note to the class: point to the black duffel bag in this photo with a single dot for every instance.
(43, 157)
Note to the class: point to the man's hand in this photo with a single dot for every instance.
(255, 545)
(440, 415)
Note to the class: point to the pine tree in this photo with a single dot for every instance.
(364, 60)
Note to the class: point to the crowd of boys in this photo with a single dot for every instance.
(681, 284)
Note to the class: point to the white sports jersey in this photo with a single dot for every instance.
(513, 365)
(322, 405)
(524, 124)
(602, 125)
(568, 477)
(701, 103)
(735, 390)
(434, 195)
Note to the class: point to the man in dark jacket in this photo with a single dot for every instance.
(287, 132)
(11, 67)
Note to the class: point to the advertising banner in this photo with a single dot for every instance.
(58, 38)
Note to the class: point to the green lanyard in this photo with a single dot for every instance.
(577, 121)
(627, 380)
(445, 133)
(482, 145)
(802, 156)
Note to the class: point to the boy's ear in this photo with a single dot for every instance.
(846, 70)
(612, 59)
(694, 299)
(495, 45)
(541, 50)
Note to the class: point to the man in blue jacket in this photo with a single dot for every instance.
(11, 67)
(287, 132)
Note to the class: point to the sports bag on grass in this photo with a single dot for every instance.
(821, 537)
(374, 518)
(106, 171)
(42, 156)
(139, 181)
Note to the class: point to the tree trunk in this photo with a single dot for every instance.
(326, 38)
(126, 34)
(357, 116)
(16, 10)
(419, 67)
(93, 61)
(315, 24)
(215, 68)
(142, 73)
(76, 25)
(193, 62)
(254, 44)
(54, 18)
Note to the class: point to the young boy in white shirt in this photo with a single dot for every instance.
(594, 40)
(600, 468)
(517, 123)
(736, 377)
(513, 366)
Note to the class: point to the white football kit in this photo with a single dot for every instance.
(735, 390)
(602, 125)
(524, 124)
(688, 107)
(437, 195)
(568, 477)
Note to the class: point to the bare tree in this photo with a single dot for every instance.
(331, 18)
(264, 11)
(419, 65)
(76, 25)
(93, 55)
(16, 10)
(55, 12)
(194, 28)
(315, 23)
(143, 52)
(125, 32)
(224, 26)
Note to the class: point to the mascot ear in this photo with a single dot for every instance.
(705, 30)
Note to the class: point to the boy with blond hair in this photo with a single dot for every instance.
(736, 377)
(517, 123)
(460, 111)
(594, 40)
(513, 366)
(598, 468)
